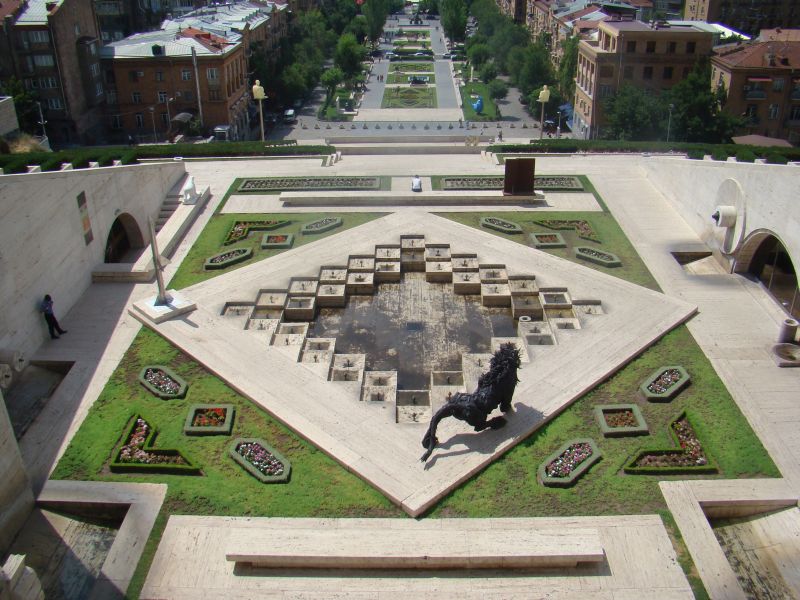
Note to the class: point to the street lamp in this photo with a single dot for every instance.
(153, 120)
(558, 130)
(42, 122)
(169, 117)
(544, 97)
(258, 94)
(669, 120)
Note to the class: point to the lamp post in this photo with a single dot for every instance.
(169, 117)
(153, 121)
(258, 94)
(669, 120)
(558, 129)
(544, 96)
(42, 122)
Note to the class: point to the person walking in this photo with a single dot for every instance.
(50, 318)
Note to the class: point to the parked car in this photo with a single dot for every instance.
(390, 54)
(447, 55)
(289, 116)
(420, 54)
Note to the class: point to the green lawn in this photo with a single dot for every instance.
(408, 97)
(489, 112)
(416, 67)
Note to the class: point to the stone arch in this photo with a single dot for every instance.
(123, 237)
(764, 256)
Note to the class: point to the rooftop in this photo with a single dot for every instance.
(755, 55)
(37, 11)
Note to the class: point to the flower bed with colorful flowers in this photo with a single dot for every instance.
(162, 382)
(581, 227)
(261, 460)
(620, 420)
(241, 229)
(688, 457)
(137, 454)
(569, 463)
(309, 184)
(547, 240)
(209, 419)
(274, 240)
(227, 258)
(665, 383)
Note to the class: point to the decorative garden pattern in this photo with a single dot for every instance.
(277, 240)
(580, 226)
(209, 419)
(547, 240)
(227, 258)
(162, 382)
(241, 229)
(620, 420)
(495, 182)
(270, 184)
(261, 460)
(598, 257)
(501, 225)
(321, 226)
(689, 457)
(137, 454)
(567, 464)
(665, 383)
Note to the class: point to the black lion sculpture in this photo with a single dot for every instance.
(495, 388)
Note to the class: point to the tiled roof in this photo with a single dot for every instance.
(753, 55)
(9, 7)
(779, 35)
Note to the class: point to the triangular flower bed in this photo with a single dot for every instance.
(260, 460)
(137, 454)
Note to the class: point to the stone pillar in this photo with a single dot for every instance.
(788, 331)
(16, 495)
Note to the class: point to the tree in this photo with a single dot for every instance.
(375, 13)
(330, 79)
(454, 19)
(529, 68)
(633, 114)
(497, 89)
(349, 54)
(550, 109)
(430, 7)
(358, 27)
(568, 67)
(487, 72)
(24, 104)
(479, 54)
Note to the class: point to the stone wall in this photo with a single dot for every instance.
(767, 193)
(8, 116)
(42, 244)
(16, 496)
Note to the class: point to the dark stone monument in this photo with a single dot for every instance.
(519, 177)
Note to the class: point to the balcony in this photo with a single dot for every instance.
(755, 94)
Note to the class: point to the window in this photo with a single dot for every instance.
(98, 89)
(94, 69)
(628, 72)
(213, 95)
(667, 73)
(691, 47)
(111, 97)
(93, 49)
(43, 60)
(164, 119)
(139, 120)
(116, 122)
(136, 97)
(106, 37)
(110, 77)
(54, 104)
(777, 84)
(77, 29)
(31, 84)
(118, 35)
(751, 111)
(133, 75)
(159, 75)
(647, 73)
(774, 110)
(162, 97)
(39, 37)
(631, 47)
(606, 72)
(212, 74)
(604, 90)
(795, 114)
(48, 83)
(672, 47)
(651, 47)
(186, 75)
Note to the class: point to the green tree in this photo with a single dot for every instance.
(348, 55)
(339, 14)
(550, 109)
(429, 6)
(358, 27)
(498, 89)
(487, 72)
(529, 68)
(375, 13)
(478, 54)
(568, 67)
(633, 114)
(330, 79)
(454, 19)
(24, 104)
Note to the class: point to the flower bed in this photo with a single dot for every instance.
(227, 258)
(260, 460)
(581, 227)
(569, 463)
(321, 226)
(241, 229)
(598, 257)
(273, 184)
(689, 457)
(162, 382)
(620, 420)
(137, 454)
(665, 383)
(547, 240)
(501, 225)
(274, 240)
(209, 419)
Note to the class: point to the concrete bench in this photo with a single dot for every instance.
(386, 198)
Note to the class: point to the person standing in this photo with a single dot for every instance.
(50, 318)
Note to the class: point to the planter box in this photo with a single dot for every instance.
(500, 225)
(598, 257)
(224, 429)
(241, 229)
(640, 428)
(275, 240)
(118, 466)
(227, 258)
(669, 393)
(168, 373)
(576, 473)
(321, 226)
(250, 468)
(579, 226)
(548, 240)
(708, 467)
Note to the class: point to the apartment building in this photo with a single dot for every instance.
(515, 9)
(762, 83)
(750, 17)
(53, 48)
(652, 57)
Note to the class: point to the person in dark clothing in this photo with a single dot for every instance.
(52, 322)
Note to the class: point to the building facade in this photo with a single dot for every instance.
(653, 58)
(749, 17)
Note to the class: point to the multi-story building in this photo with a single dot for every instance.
(118, 19)
(750, 17)
(652, 57)
(514, 9)
(762, 83)
(53, 48)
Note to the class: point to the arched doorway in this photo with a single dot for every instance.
(123, 238)
(764, 257)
